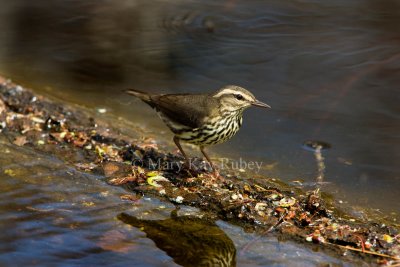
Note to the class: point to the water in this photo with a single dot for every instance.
(54, 215)
(330, 71)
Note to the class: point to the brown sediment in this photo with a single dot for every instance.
(258, 203)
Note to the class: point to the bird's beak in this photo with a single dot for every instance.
(260, 104)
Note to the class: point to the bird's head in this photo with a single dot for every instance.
(234, 98)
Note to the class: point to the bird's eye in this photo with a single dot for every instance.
(239, 97)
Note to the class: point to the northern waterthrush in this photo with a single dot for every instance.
(202, 119)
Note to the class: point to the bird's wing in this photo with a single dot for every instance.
(186, 109)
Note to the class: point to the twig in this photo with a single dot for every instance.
(281, 219)
(365, 251)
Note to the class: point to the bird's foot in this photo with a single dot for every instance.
(190, 169)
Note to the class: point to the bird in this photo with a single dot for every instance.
(202, 119)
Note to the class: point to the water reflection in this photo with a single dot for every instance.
(330, 70)
(190, 241)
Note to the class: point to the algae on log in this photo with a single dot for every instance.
(257, 203)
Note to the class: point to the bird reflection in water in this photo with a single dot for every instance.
(190, 241)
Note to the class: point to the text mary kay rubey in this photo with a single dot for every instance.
(224, 163)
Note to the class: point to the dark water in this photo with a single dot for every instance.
(330, 71)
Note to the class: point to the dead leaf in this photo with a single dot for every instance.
(130, 197)
(122, 180)
(20, 140)
(86, 166)
(2, 106)
(110, 168)
(58, 136)
(2, 80)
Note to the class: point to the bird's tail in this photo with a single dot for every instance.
(142, 95)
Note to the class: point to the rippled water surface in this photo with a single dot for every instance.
(329, 69)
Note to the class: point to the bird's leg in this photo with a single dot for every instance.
(216, 173)
(187, 162)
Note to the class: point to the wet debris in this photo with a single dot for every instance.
(120, 173)
(262, 204)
